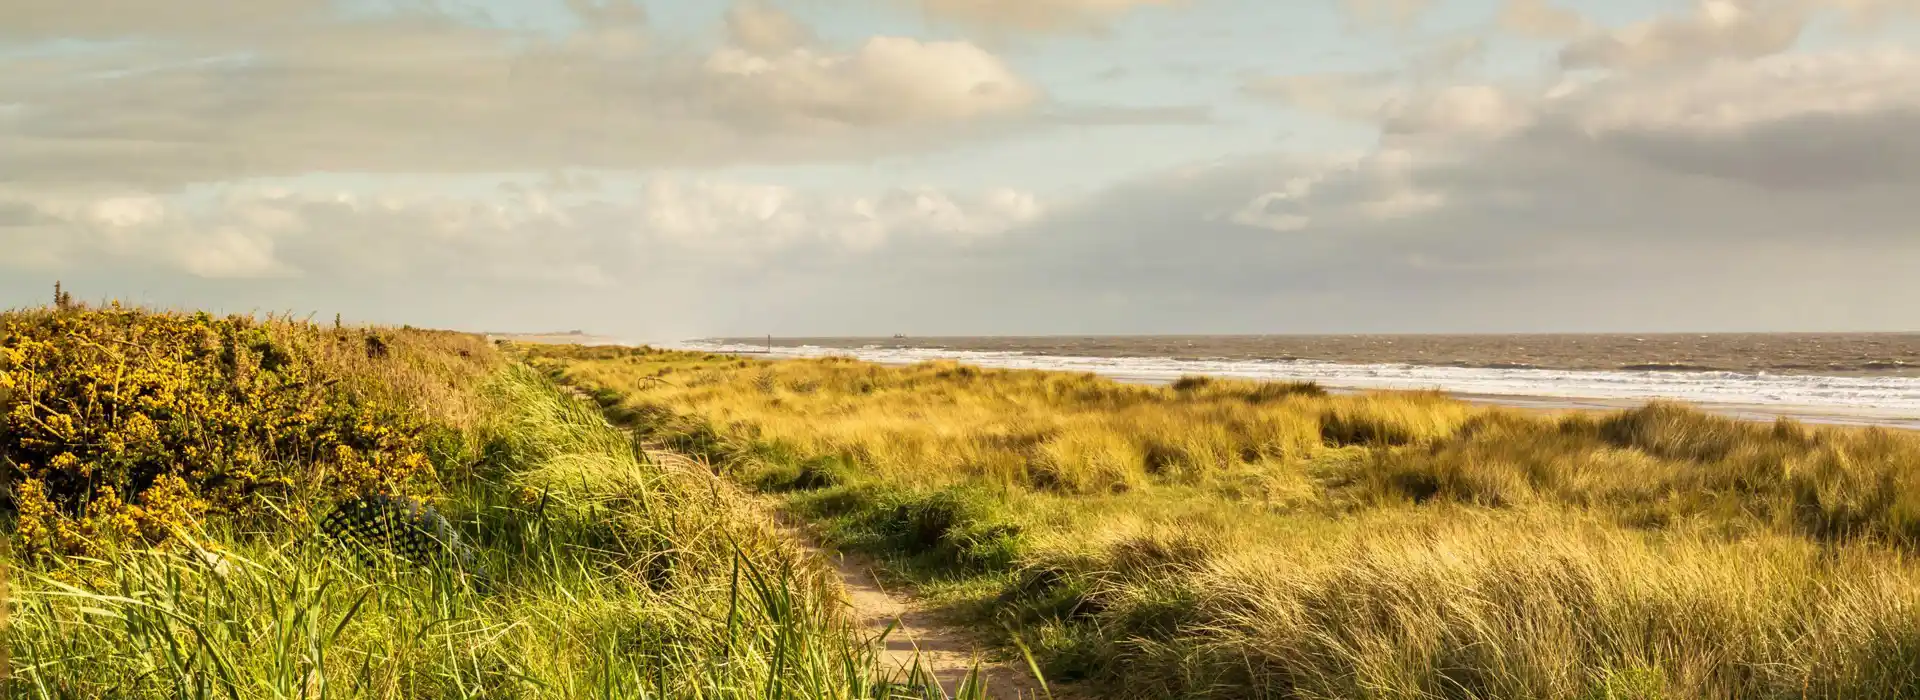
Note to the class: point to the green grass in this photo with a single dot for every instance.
(1235, 540)
(611, 577)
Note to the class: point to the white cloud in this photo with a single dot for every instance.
(136, 226)
(1385, 13)
(231, 251)
(1716, 29)
(757, 221)
(525, 233)
(888, 81)
(424, 93)
(1358, 95)
(127, 212)
(1035, 15)
(1541, 19)
(1280, 210)
(1458, 111)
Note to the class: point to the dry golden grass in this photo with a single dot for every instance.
(1236, 540)
(941, 421)
(1482, 604)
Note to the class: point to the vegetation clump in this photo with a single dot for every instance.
(123, 424)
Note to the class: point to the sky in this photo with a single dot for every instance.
(668, 169)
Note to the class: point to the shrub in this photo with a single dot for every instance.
(957, 525)
(1391, 420)
(809, 474)
(1249, 391)
(961, 528)
(123, 423)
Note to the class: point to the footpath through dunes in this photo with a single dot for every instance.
(172, 473)
(913, 642)
(1222, 539)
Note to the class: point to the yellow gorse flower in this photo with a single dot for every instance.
(127, 424)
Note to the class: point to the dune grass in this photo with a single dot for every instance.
(601, 573)
(1222, 539)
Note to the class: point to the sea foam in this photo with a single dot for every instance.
(1886, 396)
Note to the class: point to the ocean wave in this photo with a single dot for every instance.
(1890, 395)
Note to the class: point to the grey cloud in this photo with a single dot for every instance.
(1121, 115)
(1538, 224)
(1833, 120)
(1870, 14)
(109, 19)
(1366, 95)
(1548, 222)
(1816, 151)
(762, 28)
(422, 93)
(14, 214)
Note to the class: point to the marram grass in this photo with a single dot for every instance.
(1236, 540)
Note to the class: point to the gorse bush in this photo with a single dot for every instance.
(120, 423)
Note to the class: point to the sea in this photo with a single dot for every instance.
(1835, 378)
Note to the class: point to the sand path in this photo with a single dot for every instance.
(912, 639)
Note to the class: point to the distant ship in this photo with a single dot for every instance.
(899, 336)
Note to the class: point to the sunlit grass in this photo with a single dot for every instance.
(601, 573)
(1237, 540)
